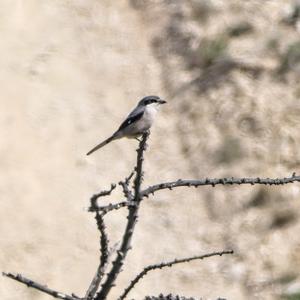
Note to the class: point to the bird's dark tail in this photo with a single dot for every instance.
(113, 137)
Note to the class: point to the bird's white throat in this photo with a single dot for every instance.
(151, 111)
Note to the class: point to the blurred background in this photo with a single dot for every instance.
(70, 72)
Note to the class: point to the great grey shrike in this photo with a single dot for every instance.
(138, 121)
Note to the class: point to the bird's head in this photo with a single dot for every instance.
(151, 101)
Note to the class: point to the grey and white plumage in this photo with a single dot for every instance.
(137, 122)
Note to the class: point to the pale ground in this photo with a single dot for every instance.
(70, 71)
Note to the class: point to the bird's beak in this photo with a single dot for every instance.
(162, 101)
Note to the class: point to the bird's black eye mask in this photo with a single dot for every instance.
(150, 101)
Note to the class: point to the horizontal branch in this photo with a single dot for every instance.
(37, 286)
(168, 264)
(196, 183)
(107, 208)
(218, 181)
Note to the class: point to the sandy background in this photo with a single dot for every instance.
(70, 72)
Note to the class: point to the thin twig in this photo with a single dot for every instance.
(127, 179)
(42, 288)
(218, 181)
(125, 186)
(92, 290)
(126, 191)
(168, 264)
(131, 221)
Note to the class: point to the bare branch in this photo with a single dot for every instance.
(38, 286)
(131, 221)
(92, 290)
(127, 180)
(212, 182)
(95, 197)
(218, 181)
(169, 264)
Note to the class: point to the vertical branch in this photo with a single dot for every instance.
(92, 290)
(131, 221)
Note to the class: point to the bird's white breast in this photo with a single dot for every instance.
(150, 113)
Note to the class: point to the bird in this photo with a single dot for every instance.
(137, 122)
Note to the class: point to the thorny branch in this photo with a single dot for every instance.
(196, 183)
(101, 227)
(92, 290)
(37, 286)
(218, 181)
(168, 264)
(131, 221)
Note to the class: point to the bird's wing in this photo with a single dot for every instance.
(133, 117)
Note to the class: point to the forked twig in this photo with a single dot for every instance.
(126, 191)
(168, 264)
(125, 186)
